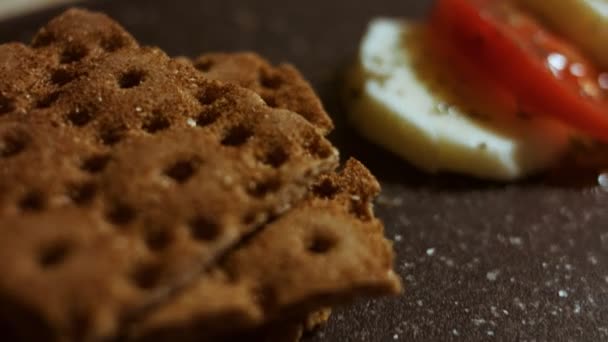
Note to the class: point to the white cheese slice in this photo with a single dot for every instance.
(395, 108)
(584, 22)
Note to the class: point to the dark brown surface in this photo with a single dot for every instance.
(480, 261)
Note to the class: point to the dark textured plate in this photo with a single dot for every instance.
(480, 261)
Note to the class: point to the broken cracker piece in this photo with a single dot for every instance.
(326, 251)
(280, 86)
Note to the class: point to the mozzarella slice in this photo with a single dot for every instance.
(584, 22)
(396, 106)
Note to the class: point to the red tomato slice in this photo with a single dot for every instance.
(546, 75)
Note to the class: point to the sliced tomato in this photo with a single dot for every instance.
(546, 74)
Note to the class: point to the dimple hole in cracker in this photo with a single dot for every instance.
(275, 157)
(204, 65)
(73, 54)
(310, 116)
(113, 43)
(270, 81)
(61, 77)
(183, 170)
(270, 101)
(204, 229)
(147, 276)
(82, 194)
(79, 117)
(207, 117)
(43, 39)
(112, 135)
(321, 243)
(319, 148)
(155, 123)
(263, 188)
(54, 254)
(250, 218)
(237, 135)
(12, 145)
(326, 189)
(121, 214)
(157, 237)
(33, 201)
(96, 163)
(6, 105)
(210, 95)
(131, 79)
(48, 100)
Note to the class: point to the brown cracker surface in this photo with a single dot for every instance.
(124, 174)
(326, 251)
(282, 86)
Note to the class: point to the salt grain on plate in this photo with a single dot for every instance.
(478, 321)
(492, 275)
(515, 241)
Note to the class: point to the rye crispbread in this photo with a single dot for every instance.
(282, 85)
(285, 330)
(326, 251)
(124, 174)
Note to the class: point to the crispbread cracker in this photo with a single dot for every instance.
(128, 173)
(285, 330)
(282, 86)
(326, 251)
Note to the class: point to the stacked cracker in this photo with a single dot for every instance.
(146, 198)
